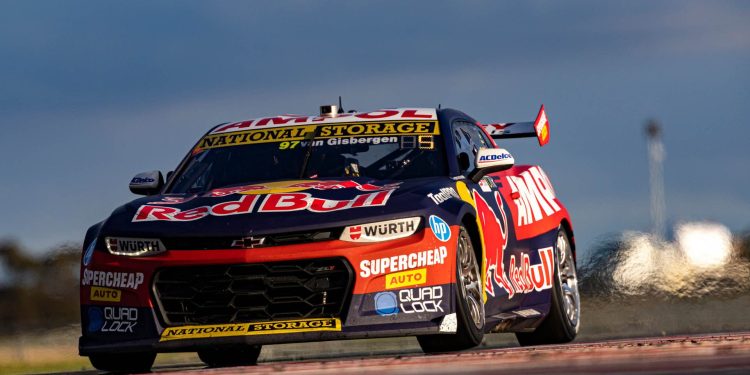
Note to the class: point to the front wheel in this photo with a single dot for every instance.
(123, 362)
(564, 318)
(469, 304)
(245, 355)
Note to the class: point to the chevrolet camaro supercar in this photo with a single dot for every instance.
(398, 222)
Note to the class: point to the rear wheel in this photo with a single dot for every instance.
(469, 304)
(123, 362)
(246, 355)
(561, 325)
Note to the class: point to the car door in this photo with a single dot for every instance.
(495, 219)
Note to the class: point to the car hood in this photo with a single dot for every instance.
(273, 207)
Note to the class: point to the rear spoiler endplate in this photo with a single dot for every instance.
(539, 129)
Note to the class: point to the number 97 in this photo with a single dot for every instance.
(288, 145)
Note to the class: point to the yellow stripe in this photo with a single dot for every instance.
(299, 133)
(250, 329)
(466, 196)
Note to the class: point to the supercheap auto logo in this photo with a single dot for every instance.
(249, 329)
(127, 280)
(403, 262)
(406, 278)
(105, 294)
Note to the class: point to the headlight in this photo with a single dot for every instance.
(134, 246)
(381, 231)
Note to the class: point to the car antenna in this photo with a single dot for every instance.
(439, 106)
(341, 108)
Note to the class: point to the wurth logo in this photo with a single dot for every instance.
(391, 228)
(355, 233)
(381, 231)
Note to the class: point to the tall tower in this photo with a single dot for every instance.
(656, 174)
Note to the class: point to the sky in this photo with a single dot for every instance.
(93, 92)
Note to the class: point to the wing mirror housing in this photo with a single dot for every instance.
(147, 183)
(491, 160)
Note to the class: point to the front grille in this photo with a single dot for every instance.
(213, 243)
(241, 293)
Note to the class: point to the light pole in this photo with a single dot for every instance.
(656, 156)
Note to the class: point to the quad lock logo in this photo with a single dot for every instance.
(410, 301)
(386, 304)
(428, 299)
(112, 319)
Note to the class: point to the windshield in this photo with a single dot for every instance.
(381, 151)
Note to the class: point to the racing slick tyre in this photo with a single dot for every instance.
(123, 362)
(561, 325)
(469, 304)
(245, 355)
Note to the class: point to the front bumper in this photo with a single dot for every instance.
(398, 288)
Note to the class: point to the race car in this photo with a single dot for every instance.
(396, 222)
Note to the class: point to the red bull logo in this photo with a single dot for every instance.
(521, 276)
(526, 277)
(497, 232)
(271, 203)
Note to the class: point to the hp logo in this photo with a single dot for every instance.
(440, 228)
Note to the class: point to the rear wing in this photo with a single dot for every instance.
(539, 129)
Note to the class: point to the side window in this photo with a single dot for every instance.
(467, 145)
(478, 137)
(469, 139)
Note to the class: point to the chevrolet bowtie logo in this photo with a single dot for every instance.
(249, 242)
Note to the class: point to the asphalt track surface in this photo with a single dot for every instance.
(697, 354)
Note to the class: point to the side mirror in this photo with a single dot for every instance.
(147, 183)
(491, 160)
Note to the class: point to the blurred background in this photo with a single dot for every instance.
(92, 93)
